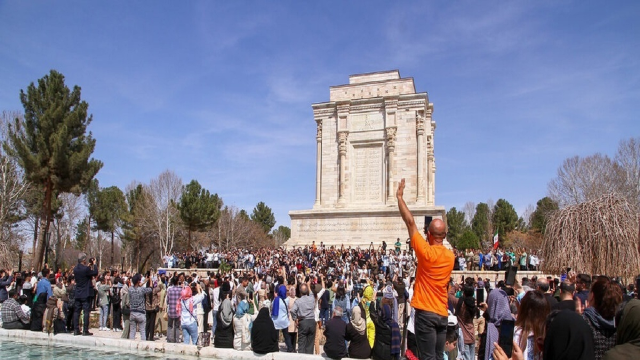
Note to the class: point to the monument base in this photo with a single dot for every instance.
(355, 227)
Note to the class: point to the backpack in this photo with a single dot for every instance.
(206, 303)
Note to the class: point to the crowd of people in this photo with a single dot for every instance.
(345, 299)
(379, 303)
(496, 259)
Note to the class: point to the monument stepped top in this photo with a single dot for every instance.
(374, 76)
(373, 85)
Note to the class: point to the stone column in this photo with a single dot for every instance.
(391, 145)
(318, 162)
(431, 163)
(420, 140)
(342, 151)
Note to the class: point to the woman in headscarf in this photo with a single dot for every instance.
(497, 310)
(293, 326)
(388, 339)
(466, 311)
(224, 327)
(628, 334)
(365, 303)
(604, 299)
(264, 336)
(532, 315)
(567, 337)
(389, 297)
(161, 323)
(126, 308)
(342, 300)
(280, 314)
(186, 309)
(241, 322)
(359, 347)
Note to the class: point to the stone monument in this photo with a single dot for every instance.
(371, 133)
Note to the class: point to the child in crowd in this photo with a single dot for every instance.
(23, 304)
(451, 341)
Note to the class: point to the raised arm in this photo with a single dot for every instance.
(404, 210)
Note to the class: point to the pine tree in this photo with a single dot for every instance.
(480, 222)
(52, 145)
(544, 208)
(110, 211)
(456, 225)
(263, 215)
(505, 219)
(199, 209)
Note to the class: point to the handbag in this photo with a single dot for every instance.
(165, 316)
(126, 310)
(204, 339)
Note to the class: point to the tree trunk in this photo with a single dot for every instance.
(35, 238)
(58, 248)
(141, 266)
(46, 214)
(86, 243)
(111, 248)
(189, 239)
(138, 253)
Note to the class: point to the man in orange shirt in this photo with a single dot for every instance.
(435, 263)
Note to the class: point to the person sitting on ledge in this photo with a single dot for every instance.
(264, 336)
(12, 315)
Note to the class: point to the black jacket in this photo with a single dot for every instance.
(359, 347)
(83, 275)
(4, 282)
(264, 336)
(335, 331)
(223, 335)
(382, 345)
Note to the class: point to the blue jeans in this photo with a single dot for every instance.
(431, 332)
(104, 315)
(325, 316)
(469, 352)
(190, 331)
(215, 321)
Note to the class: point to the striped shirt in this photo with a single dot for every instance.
(304, 308)
(173, 296)
(12, 311)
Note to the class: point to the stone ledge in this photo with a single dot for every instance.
(151, 347)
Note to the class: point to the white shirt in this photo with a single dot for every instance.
(188, 317)
(215, 297)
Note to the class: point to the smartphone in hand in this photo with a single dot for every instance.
(479, 296)
(505, 339)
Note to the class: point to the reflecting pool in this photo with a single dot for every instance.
(14, 350)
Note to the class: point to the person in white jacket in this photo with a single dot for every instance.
(187, 308)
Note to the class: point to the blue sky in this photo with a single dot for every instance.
(221, 91)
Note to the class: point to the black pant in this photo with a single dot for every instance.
(151, 324)
(431, 333)
(15, 325)
(69, 315)
(173, 330)
(294, 340)
(116, 322)
(81, 305)
(205, 322)
(307, 336)
(287, 339)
